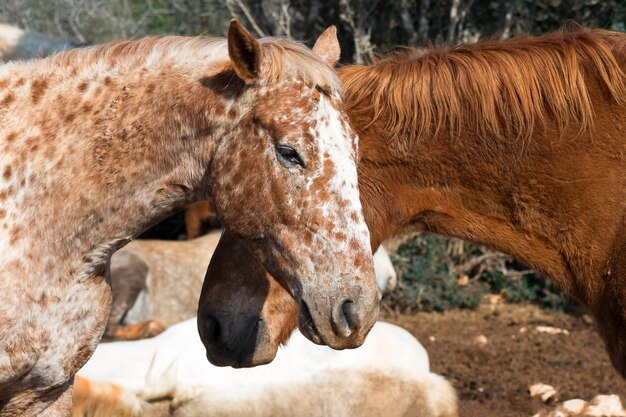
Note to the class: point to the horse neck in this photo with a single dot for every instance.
(103, 153)
(506, 194)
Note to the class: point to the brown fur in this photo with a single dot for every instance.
(498, 90)
(149, 328)
(199, 219)
(556, 199)
(281, 317)
(101, 399)
(518, 145)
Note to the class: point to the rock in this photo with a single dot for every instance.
(481, 340)
(16, 43)
(600, 406)
(544, 391)
(551, 330)
(605, 405)
(494, 299)
(432, 338)
(576, 406)
(462, 281)
(516, 320)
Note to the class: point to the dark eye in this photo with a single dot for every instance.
(289, 154)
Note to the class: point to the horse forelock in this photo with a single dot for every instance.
(499, 89)
(289, 58)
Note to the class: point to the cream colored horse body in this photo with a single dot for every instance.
(388, 376)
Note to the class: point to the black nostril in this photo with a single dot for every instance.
(212, 329)
(347, 320)
(352, 317)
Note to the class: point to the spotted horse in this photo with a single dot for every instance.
(98, 144)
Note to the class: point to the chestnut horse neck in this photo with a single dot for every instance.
(519, 145)
(468, 141)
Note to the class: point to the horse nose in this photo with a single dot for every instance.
(342, 322)
(346, 319)
(212, 329)
(216, 341)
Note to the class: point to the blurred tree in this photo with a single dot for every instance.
(365, 26)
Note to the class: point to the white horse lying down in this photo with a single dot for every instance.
(388, 376)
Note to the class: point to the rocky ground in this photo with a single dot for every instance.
(493, 355)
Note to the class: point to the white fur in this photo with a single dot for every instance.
(174, 365)
(334, 136)
(137, 365)
(9, 38)
(386, 276)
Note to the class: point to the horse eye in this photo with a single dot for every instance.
(290, 155)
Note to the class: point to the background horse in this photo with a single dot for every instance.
(100, 143)
(388, 376)
(156, 283)
(519, 145)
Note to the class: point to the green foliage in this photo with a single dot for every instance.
(429, 268)
(426, 281)
(96, 21)
(536, 289)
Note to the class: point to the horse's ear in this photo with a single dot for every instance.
(327, 46)
(244, 52)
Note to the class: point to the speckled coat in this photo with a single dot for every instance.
(98, 144)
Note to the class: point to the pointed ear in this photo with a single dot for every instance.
(327, 46)
(244, 52)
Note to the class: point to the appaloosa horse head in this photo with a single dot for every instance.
(285, 181)
(98, 144)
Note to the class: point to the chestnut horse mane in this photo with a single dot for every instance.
(284, 57)
(498, 89)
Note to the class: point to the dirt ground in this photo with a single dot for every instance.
(492, 378)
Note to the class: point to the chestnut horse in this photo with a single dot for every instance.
(100, 143)
(518, 144)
